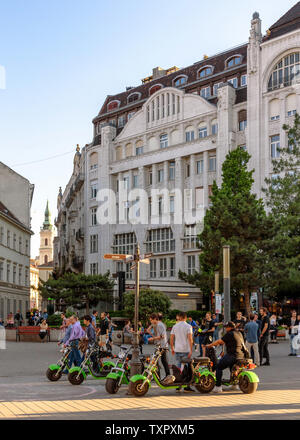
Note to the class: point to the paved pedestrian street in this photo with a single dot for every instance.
(25, 393)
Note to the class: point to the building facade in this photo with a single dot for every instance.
(15, 201)
(169, 137)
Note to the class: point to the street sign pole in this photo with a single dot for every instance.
(136, 259)
(226, 283)
(135, 364)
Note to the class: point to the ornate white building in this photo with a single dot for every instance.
(173, 132)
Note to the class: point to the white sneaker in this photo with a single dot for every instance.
(218, 390)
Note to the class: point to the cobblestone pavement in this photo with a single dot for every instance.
(26, 393)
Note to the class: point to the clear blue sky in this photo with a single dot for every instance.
(62, 57)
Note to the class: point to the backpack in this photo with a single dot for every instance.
(244, 349)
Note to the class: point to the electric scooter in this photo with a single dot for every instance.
(92, 364)
(55, 371)
(140, 383)
(240, 375)
(119, 374)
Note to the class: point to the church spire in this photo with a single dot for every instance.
(47, 221)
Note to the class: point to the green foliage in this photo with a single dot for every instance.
(283, 200)
(172, 313)
(118, 314)
(151, 301)
(197, 315)
(54, 320)
(78, 290)
(169, 322)
(238, 219)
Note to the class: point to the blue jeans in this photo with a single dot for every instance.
(216, 334)
(146, 337)
(75, 352)
(201, 340)
(227, 361)
(293, 351)
(179, 356)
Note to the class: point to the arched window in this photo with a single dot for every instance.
(180, 80)
(46, 241)
(154, 89)
(133, 97)
(234, 61)
(113, 105)
(205, 71)
(45, 259)
(286, 71)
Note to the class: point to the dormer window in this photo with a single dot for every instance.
(133, 97)
(154, 89)
(234, 61)
(205, 71)
(180, 80)
(113, 105)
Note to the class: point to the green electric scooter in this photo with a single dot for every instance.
(141, 383)
(240, 375)
(119, 374)
(92, 365)
(55, 371)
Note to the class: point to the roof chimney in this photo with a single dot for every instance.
(158, 72)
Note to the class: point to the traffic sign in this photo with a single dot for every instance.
(118, 257)
(147, 255)
(145, 260)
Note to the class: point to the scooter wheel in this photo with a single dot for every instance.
(206, 384)
(53, 375)
(111, 386)
(246, 386)
(75, 378)
(136, 389)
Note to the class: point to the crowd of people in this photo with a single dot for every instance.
(72, 333)
(242, 335)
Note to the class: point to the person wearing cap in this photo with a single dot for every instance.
(233, 341)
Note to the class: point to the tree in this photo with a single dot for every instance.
(236, 218)
(283, 200)
(151, 301)
(78, 290)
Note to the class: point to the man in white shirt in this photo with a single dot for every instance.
(182, 333)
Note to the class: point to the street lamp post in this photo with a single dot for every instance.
(135, 364)
(136, 259)
(217, 281)
(226, 283)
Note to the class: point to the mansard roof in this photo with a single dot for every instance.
(289, 22)
(217, 61)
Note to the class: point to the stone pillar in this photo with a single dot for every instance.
(142, 178)
(226, 101)
(254, 105)
(205, 179)
(154, 175)
(166, 173)
(192, 179)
